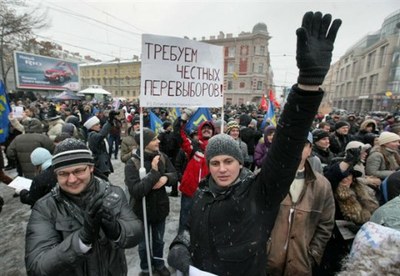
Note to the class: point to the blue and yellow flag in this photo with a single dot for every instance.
(155, 123)
(173, 114)
(4, 111)
(201, 115)
(269, 116)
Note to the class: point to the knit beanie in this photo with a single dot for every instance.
(319, 134)
(71, 152)
(148, 136)
(223, 144)
(231, 125)
(341, 124)
(41, 157)
(91, 122)
(387, 137)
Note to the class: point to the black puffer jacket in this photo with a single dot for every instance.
(157, 202)
(228, 230)
(99, 147)
(52, 235)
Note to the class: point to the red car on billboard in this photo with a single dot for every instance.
(59, 73)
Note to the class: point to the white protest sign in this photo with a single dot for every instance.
(179, 72)
(17, 111)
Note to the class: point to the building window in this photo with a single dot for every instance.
(105, 71)
(346, 77)
(363, 82)
(231, 67)
(260, 68)
(244, 50)
(373, 82)
(230, 85)
(383, 53)
(262, 50)
(242, 85)
(371, 61)
(354, 68)
(232, 51)
(229, 101)
(259, 85)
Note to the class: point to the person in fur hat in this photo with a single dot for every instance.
(353, 203)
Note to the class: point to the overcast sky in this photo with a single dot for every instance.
(113, 28)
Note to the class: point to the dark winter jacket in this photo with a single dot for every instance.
(229, 229)
(52, 235)
(157, 202)
(169, 144)
(338, 142)
(325, 156)
(22, 146)
(99, 147)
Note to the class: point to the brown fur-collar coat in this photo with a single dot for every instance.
(355, 203)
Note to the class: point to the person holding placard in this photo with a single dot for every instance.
(234, 210)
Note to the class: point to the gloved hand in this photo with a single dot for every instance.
(91, 225)
(315, 46)
(179, 258)
(352, 156)
(109, 224)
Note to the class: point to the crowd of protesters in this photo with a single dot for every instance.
(255, 200)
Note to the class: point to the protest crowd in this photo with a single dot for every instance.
(282, 190)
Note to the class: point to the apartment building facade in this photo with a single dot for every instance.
(367, 77)
(247, 69)
(120, 78)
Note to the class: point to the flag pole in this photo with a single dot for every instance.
(142, 174)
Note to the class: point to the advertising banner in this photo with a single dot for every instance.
(45, 73)
(179, 72)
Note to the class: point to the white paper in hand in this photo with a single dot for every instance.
(20, 183)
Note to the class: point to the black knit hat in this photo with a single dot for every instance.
(341, 124)
(148, 136)
(319, 134)
(71, 152)
(223, 144)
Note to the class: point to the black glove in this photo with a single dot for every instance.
(91, 225)
(179, 258)
(352, 156)
(315, 46)
(109, 224)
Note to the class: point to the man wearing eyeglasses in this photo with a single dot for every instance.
(83, 225)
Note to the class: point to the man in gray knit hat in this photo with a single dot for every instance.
(83, 225)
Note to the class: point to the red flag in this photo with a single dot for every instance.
(271, 97)
(264, 103)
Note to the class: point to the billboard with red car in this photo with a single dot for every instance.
(45, 73)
